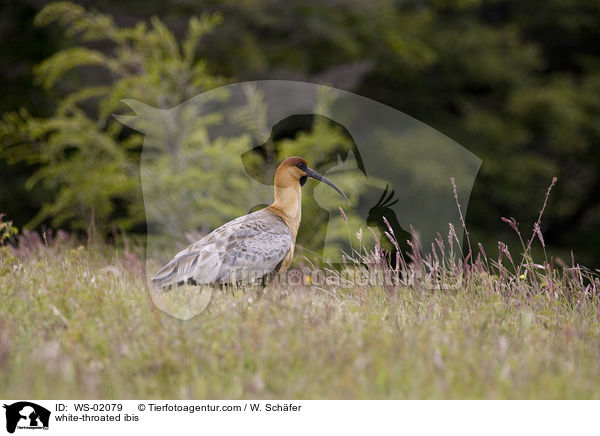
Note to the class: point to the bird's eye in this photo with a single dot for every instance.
(301, 166)
(303, 180)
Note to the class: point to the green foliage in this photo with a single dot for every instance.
(83, 156)
(7, 230)
(516, 82)
(91, 165)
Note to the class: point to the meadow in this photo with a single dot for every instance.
(499, 318)
(77, 322)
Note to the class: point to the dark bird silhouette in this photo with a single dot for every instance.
(382, 209)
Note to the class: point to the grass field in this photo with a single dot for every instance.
(77, 322)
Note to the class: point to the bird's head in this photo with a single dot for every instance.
(294, 171)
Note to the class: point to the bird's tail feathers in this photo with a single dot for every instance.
(177, 271)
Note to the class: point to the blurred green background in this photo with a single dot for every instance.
(515, 82)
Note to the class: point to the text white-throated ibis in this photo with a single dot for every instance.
(249, 247)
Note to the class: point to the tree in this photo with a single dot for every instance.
(84, 156)
(90, 161)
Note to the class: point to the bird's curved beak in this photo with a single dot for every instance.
(315, 175)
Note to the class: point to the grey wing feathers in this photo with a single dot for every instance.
(251, 258)
(243, 249)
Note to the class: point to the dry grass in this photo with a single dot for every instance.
(77, 322)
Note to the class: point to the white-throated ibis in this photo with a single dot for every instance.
(249, 247)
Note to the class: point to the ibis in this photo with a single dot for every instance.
(250, 247)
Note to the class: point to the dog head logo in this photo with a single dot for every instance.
(212, 158)
(26, 415)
